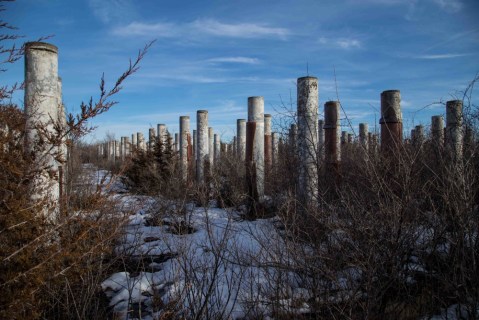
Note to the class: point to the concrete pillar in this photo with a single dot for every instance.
(419, 135)
(293, 137)
(162, 135)
(454, 130)
(117, 149)
(140, 140)
(437, 131)
(275, 147)
(241, 139)
(127, 147)
(202, 144)
(134, 142)
(350, 138)
(391, 122)
(307, 140)
(122, 148)
(151, 139)
(171, 141)
(211, 147)
(255, 148)
(234, 146)
(332, 129)
(43, 109)
(321, 139)
(195, 145)
(268, 143)
(184, 135)
(344, 137)
(217, 148)
(363, 135)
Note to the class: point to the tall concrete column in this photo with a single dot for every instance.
(162, 135)
(363, 135)
(195, 143)
(350, 138)
(202, 144)
(177, 143)
(391, 122)
(151, 139)
(127, 147)
(117, 149)
(307, 94)
(134, 142)
(437, 131)
(344, 137)
(122, 148)
(234, 146)
(419, 135)
(255, 148)
(454, 130)
(321, 139)
(211, 147)
(275, 147)
(217, 147)
(268, 143)
(241, 139)
(332, 129)
(43, 110)
(184, 135)
(140, 140)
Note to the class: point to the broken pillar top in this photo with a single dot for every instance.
(36, 45)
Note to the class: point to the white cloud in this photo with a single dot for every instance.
(112, 10)
(343, 43)
(451, 6)
(441, 56)
(244, 60)
(239, 30)
(144, 29)
(209, 27)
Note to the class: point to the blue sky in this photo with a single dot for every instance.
(214, 54)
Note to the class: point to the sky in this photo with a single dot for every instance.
(213, 55)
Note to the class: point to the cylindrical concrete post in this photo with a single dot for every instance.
(162, 135)
(307, 94)
(42, 109)
(241, 138)
(151, 139)
(293, 137)
(195, 143)
(344, 137)
(454, 130)
(332, 129)
(419, 135)
(321, 139)
(217, 147)
(437, 131)
(350, 138)
(202, 144)
(117, 149)
(122, 148)
(140, 139)
(275, 147)
(255, 148)
(184, 135)
(268, 143)
(127, 147)
(211, 147)
(134, 142)
(391, 121)
(177, 142)
(363, 135)
(234, 147)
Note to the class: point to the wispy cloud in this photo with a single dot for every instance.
(112, 10)
(451, 6)
(343, 43)
(243, 60)
(208, 27)
(239, 30)
(441, 56)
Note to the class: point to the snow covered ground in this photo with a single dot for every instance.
(208, 262)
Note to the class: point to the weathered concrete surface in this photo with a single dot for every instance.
(217, 148)
(332, 129)
(202, 144)
(391, 122)
(268, 143)
(184, 137)
(241, 138)
(363, 135)
(43, 110)
(151, 139)
(307, 112)
(211, 147)
(255, 148)
(454, 129)
(437, 131)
